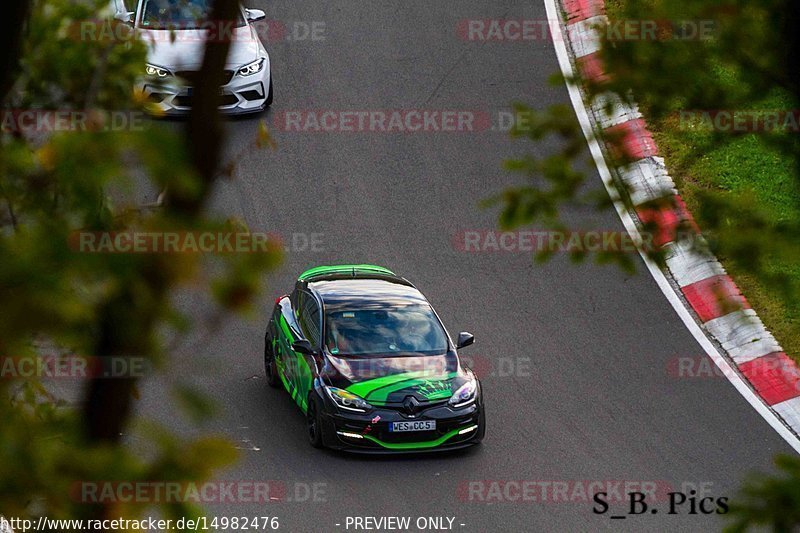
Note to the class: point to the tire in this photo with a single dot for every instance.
(270, 93)
(270, 366)
(314, 423)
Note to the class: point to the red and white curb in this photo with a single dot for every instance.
(702, 292)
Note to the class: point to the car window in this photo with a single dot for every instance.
(178, 14)
(309, 318)
(377, 329)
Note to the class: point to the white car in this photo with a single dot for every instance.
(176, 32)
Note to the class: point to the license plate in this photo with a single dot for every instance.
(417, 425)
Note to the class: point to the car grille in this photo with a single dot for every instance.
(420, 409)
(191, 76)
(229, 99)
(186, 101)
(252, 96)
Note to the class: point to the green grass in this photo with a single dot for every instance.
(746, 165)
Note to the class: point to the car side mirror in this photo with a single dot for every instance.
(254, 15)
(465, 339)
(304, 347)
(125, 17)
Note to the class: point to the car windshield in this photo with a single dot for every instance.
(379, 329)
(179, 15)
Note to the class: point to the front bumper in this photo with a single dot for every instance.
(242, 95)
(355, 432)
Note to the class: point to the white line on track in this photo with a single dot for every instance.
(633, 231)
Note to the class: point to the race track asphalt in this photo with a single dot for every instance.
(574, 358)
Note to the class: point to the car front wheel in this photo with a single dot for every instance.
(313, 423)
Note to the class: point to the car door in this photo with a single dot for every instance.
(309, 319)
(286, 332)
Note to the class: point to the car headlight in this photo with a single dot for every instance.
(465, 394)
(253, 68)
(156, 72)
(347, 400)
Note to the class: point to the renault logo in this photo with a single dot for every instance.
(410, 405)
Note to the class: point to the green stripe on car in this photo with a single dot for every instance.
(379, 389)
(344, 269)
(382, 394)
(364, 388)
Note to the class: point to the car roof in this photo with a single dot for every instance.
(360, 284)
(357, 291)
(345, 270)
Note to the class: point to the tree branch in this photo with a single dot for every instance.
(12, 26)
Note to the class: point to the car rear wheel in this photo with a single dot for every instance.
(313, 423)
(270, 366)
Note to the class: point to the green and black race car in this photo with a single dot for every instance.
(367, 360)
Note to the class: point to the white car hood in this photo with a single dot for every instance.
(184, 49)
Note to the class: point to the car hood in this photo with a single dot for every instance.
(184, 49)
(391, 380)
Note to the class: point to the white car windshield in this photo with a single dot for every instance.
(180, 15)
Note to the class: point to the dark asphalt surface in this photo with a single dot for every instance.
(590, 397)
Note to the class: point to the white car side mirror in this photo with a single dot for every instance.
(125, 16)
(254, 15)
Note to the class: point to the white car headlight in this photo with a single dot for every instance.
(347, 400)
(156, 71)
(253, 68)
(465, 394)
